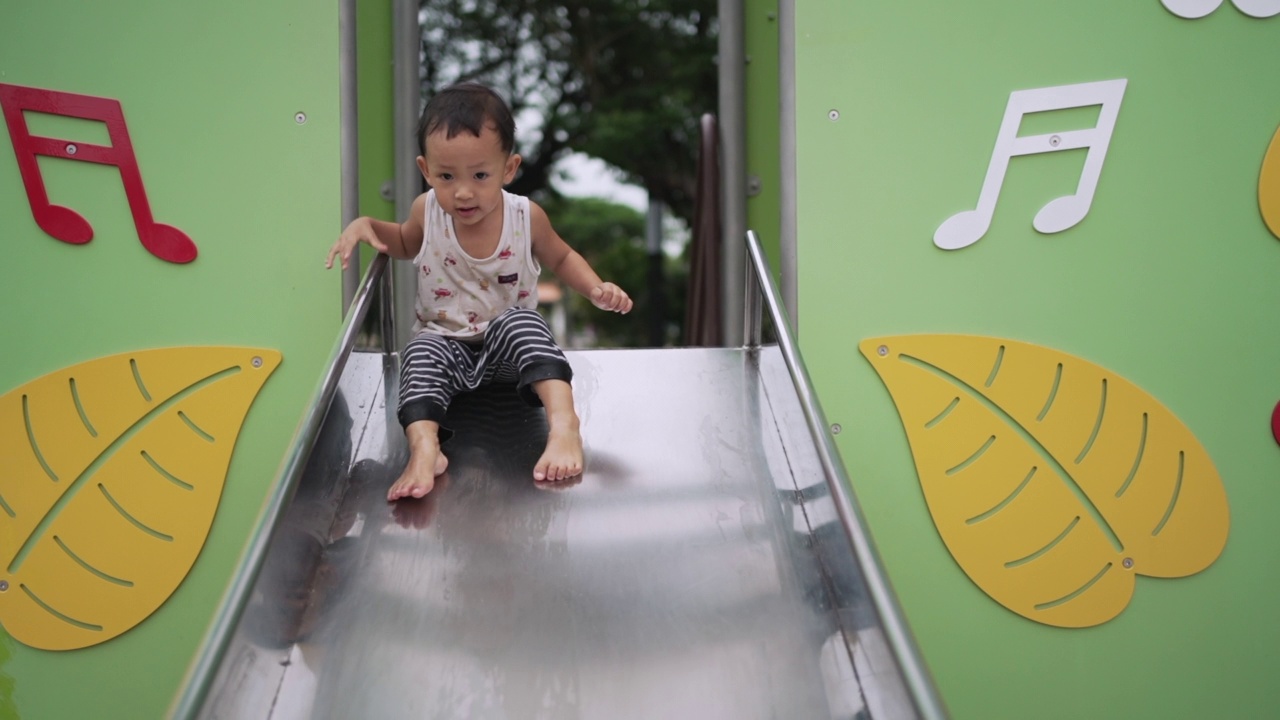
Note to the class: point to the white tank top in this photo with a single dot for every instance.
(457, 294)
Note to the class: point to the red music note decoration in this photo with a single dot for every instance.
(164, 241)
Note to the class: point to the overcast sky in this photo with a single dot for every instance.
(591, 177)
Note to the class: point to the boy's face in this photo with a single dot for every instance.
(468, 173)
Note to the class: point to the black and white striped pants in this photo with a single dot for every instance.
(518, 348)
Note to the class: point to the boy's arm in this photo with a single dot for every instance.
(555, 254)
(399, 240)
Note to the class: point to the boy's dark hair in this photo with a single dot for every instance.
(467, 106)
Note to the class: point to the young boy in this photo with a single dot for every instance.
(478, 251)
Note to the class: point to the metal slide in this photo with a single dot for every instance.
(708, 565)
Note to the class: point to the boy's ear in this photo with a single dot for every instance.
(513, 162)
(424, 168)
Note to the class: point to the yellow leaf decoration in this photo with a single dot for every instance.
(1269, 186)
(110, 474)
(1052, 481)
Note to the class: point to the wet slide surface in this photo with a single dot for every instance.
(695, 571)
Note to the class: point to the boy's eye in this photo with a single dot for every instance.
(481, 175)
(446, 176)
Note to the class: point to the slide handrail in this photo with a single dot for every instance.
(761, 287)
(201, 675)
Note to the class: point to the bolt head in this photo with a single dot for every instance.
(834, 115)
(72, 149)
(1127, 563)
(300, 118)
(883, 350)
(257, 362)
(836, 429)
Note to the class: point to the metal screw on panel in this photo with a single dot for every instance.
(882, 350)
(257, 362)
(836, 429)
(754, 185)
(72, 149)
(387, 191)
(1127, 563)
(834, 115)
(1055, 141)
(300, 118)
(4, 585)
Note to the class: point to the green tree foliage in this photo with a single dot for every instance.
(612, 238)
(621, 80)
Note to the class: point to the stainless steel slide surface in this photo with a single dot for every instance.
(698, 570)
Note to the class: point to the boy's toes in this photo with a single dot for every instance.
(559, 472)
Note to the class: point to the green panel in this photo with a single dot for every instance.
(1168, 282)
(761, 43)
(210, 93)
(374, 89)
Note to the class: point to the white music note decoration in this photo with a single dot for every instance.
(1194, 9)
(965, 228)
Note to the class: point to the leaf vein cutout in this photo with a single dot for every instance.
(84, 417)
(1177, 490)
(1046, 548)
(84, 564)
(136, 522)
(1137, 461)
(1005, 502)
(1077, 592)
(31, 439)
(943, 415)
(974, 457)
(7, 510)
(107, 452)
(60, 615)
(1097, 425)
(1053, 393)
(165, 473)
(137, 379)
(194, 427)
(1030, 439)
(995, 369)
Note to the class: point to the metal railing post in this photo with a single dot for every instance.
(349, 150)
(752, 315)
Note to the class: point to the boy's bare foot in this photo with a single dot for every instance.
(426, 462)
(563, 457)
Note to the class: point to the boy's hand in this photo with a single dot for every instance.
(360, 230)
(608, 296)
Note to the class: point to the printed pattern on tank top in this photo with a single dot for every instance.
(459, 295)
